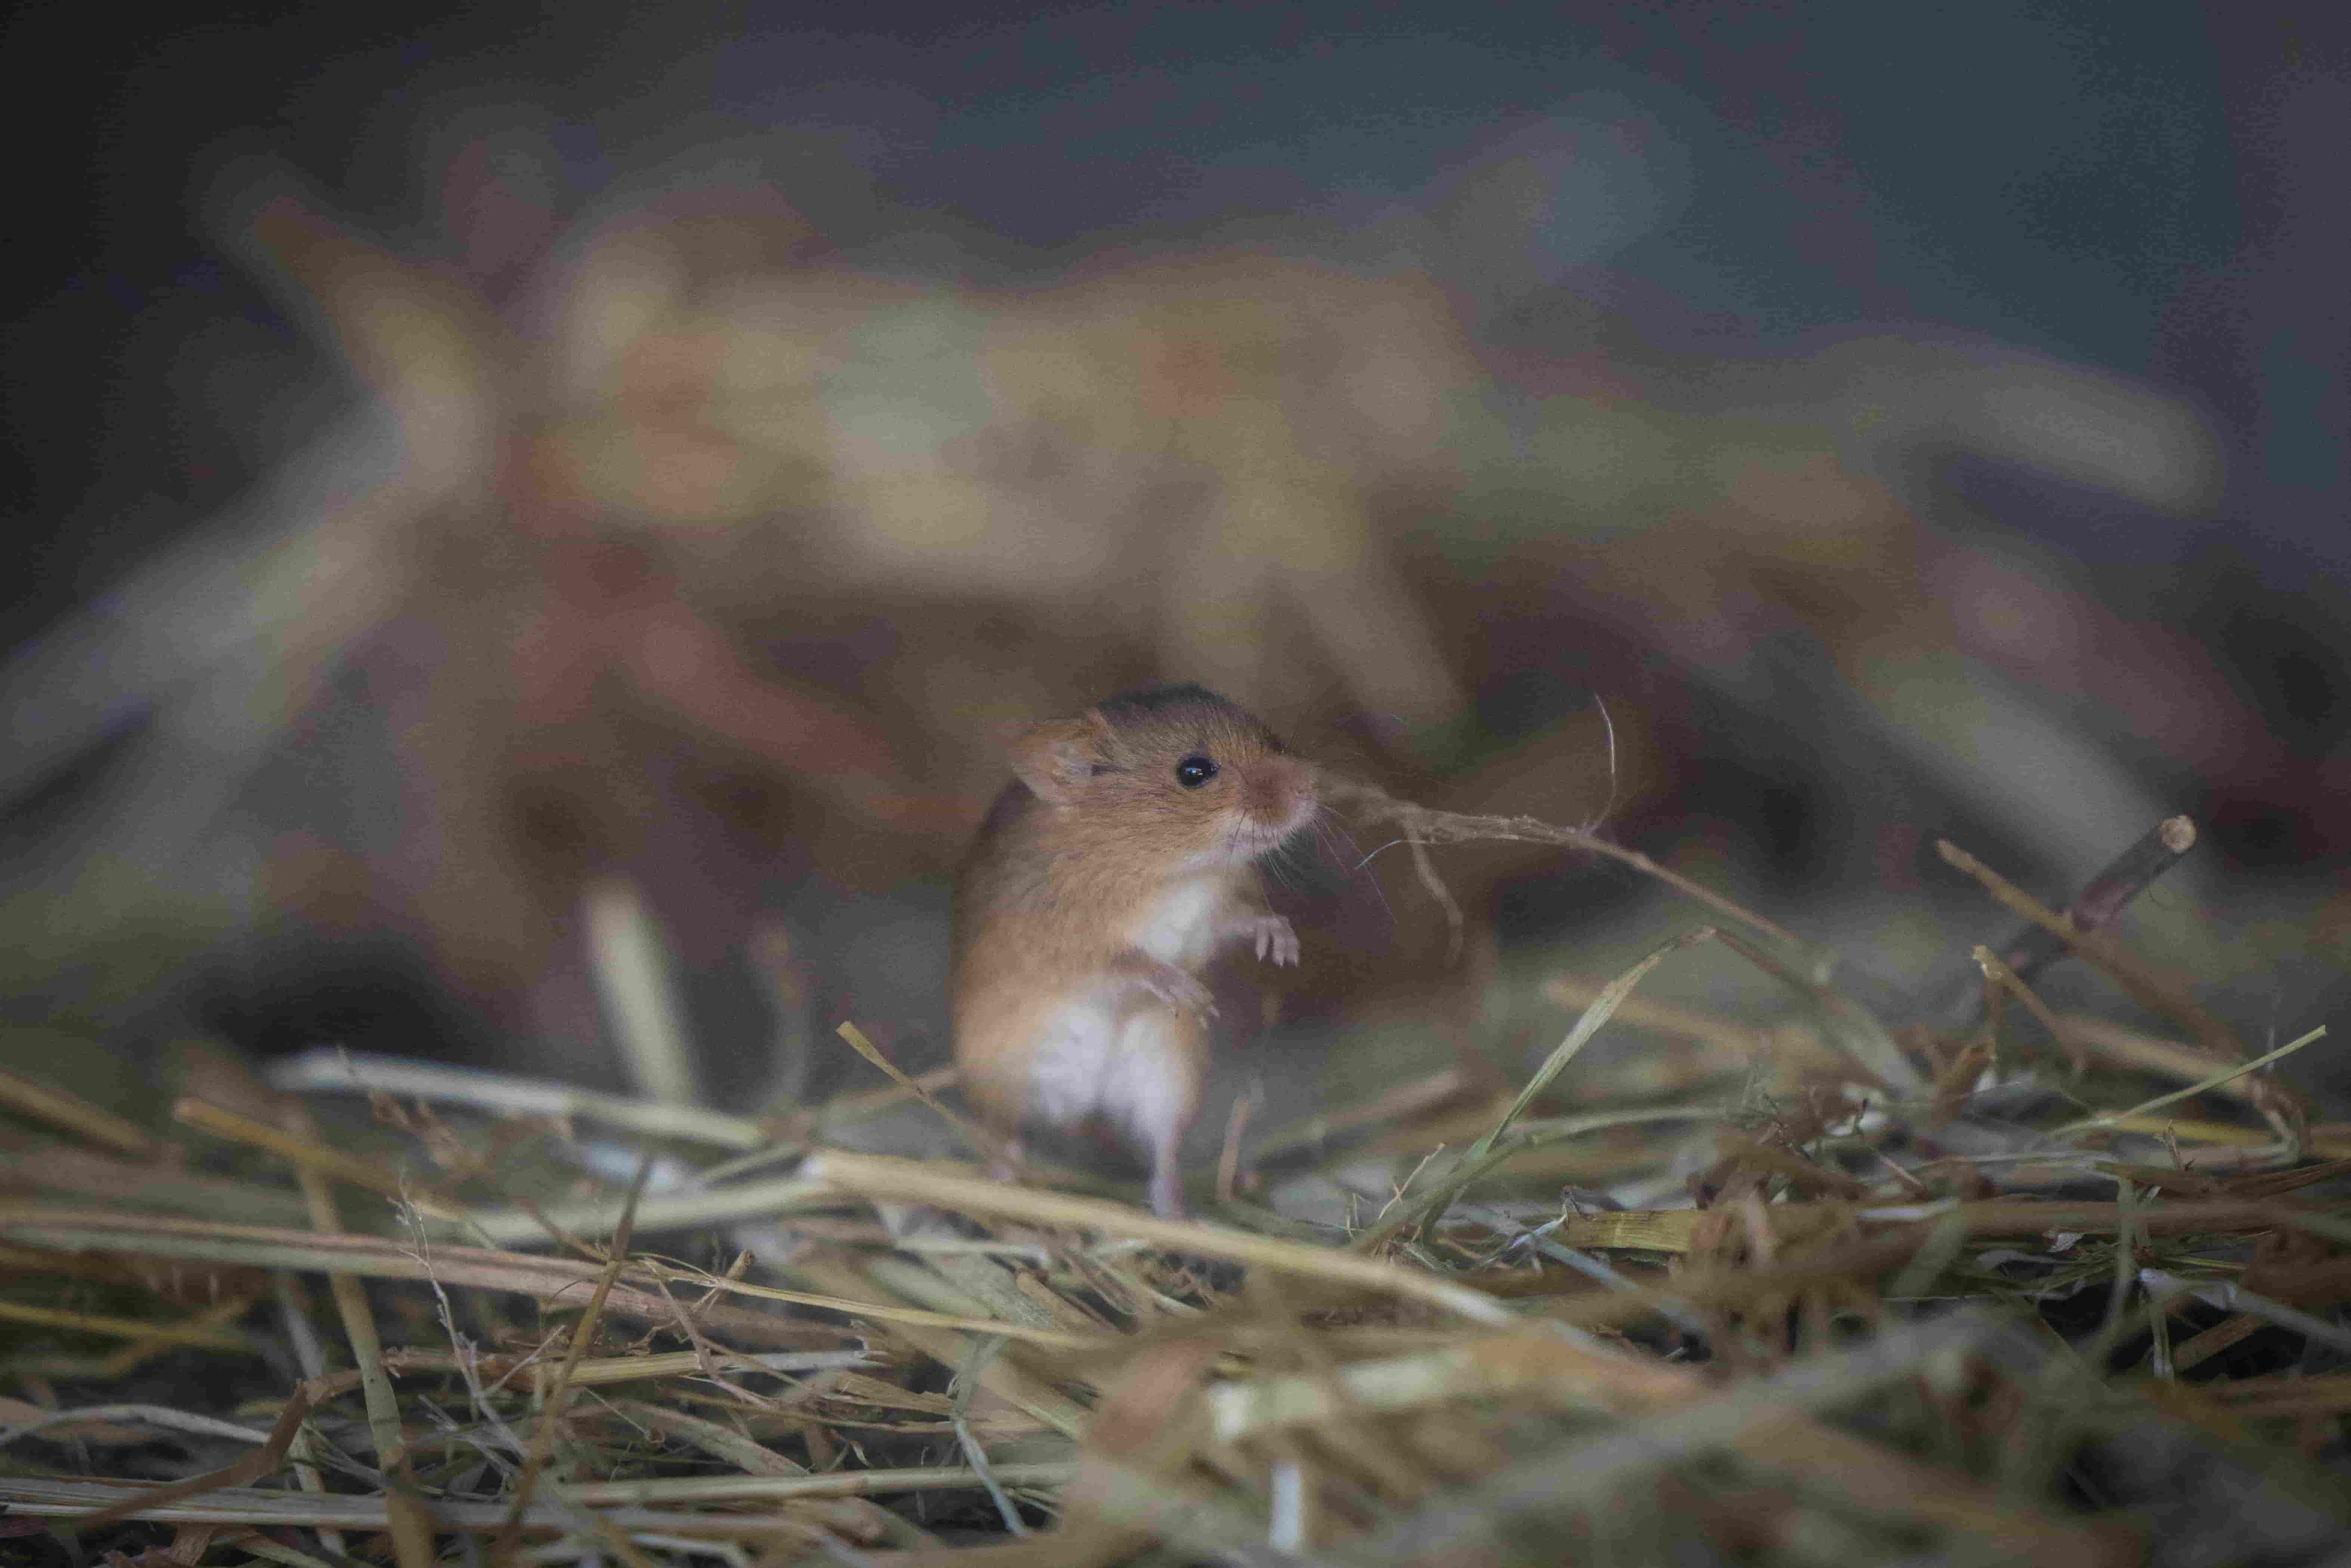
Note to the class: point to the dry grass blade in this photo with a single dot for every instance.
(974, 1136)
(558, 1282)
(550, 1414)
(1573, 1489)
(76, 1115)
(1602, 1009)
(152, 1415)
(261, 1462)
(915, 1317)
(228, 1505)
(127, 1328)
(1684, 1229)
(2011, 984)
(677, 1211)
(310, 1154)
(2212, 1081)
(411, 1544)
(639, 994)
(363, 1072)
(1425, 826)
(1852, 1026)
(955, 1188)
(1425, 1213)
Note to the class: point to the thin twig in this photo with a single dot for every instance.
(2104, 895)
(1422, 825)
(2156, 991)
(550, 1415)
(877, 1175)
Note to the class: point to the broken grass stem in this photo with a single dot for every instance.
(1481, 1155)
(2112, 1118)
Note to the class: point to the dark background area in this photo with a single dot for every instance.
(2147, 188)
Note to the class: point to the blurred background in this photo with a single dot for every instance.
(481, 469)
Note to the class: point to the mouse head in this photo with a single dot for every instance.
(1176, 771)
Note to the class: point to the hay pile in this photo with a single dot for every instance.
(1918, 1289)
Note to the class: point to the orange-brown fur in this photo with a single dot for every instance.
(1095, 841)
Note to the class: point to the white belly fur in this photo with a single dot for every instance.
(1107, 1057)
(1111, 1054)
(1185, 924)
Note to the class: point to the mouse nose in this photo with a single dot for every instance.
(1278, 794)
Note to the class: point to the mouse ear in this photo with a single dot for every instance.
(1055, 758)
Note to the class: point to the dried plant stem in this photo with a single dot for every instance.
(606, 1371)
(634, 980)
(1479, 1156)
(1422, 825)
(2126, 1047)
(951, 1348)
(262, 1461)
(74, 1114)
(676, 1211)
(1735, 1038)
(1850, 1026)
(550, 1414)
(129, 1328)
(557, 1280)
(1602, 1009)
(1999, 972)
(1400, 1104)
(359, 1328)
(2105, 895)
(2213, 1081)
(2229, 1296)
(1677, 1231)
(53, 1498)
(913, 1317)
(365, 1072)
(309, 1354)
(2151, 989)
(162, 1416)
(955, 1188)
(974, 1135)
(307, 1154)
(836, 1483)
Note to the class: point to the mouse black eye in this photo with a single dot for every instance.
(1195, 771)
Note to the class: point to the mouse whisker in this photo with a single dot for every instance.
(1333, 836)
(1341, 844)
(1608, 723)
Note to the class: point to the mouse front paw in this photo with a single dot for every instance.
(1277, 940)
(1178, 989)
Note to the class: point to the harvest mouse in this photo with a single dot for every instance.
(1106, 877)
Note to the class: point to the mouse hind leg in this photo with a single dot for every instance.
(1159, 1078)
(1167, 1173)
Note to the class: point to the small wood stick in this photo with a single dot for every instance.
(2105, 895)
(2153, 989)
